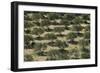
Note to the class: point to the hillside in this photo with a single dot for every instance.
(56, 36)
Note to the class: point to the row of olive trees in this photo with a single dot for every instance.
(53, 15)
(47, 18)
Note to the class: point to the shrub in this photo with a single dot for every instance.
(71, 36)
(51, 36)
(85, 53)
(40, 53)
(86, 35)
(45, 22)
(28, 58)
(28, 38)
(76, 28)
(87, 28)
(61, 44)
(27, 43)
(38, 31)
(84, 42)
(37, 46)
(74, 53)
(59, 29)
(27, 31)
(57, 55)
(28, 24)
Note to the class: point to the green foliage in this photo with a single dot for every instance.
(54, 23)
(86, 17)
(44, 45)
(38, 31)
(27, 39)
(51, 36)
(36, 16)
(84, 42)
(77, 20)
(65, 22)
(40, 53)
(28, 24)
(48, 29)
(62, 54)
(87, 28)
(39, 38)
(28, 58)
(85, 53)
(74, 53)
(87, 35)
(69, 16)
(27, 16)
(36, 23)
(45, 22)
(59, 29)
(53, 16)
(37, 46)
(76, 28)
(61, 44)
(84, 49)
(28, 31)
(57, 55)
(58, 43)
(71, 35)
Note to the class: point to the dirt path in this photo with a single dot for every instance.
(40, 58)
(28, 51)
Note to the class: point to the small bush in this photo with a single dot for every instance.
(57, 55)
(28, 58)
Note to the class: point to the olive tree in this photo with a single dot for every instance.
(57, 55)
(85, 48)
(39, 48)
(69, 16)
(53, 16)
(86, 35)
(86, 18)
(38, 31)
(28, 24)
(28, 31)
(59, 29)
(27, 43)
(77, 29)
(45, 22)
(27, 16)
(50, 36)
(71, 36)
(61, 44)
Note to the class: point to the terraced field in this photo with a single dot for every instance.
(56, 36)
